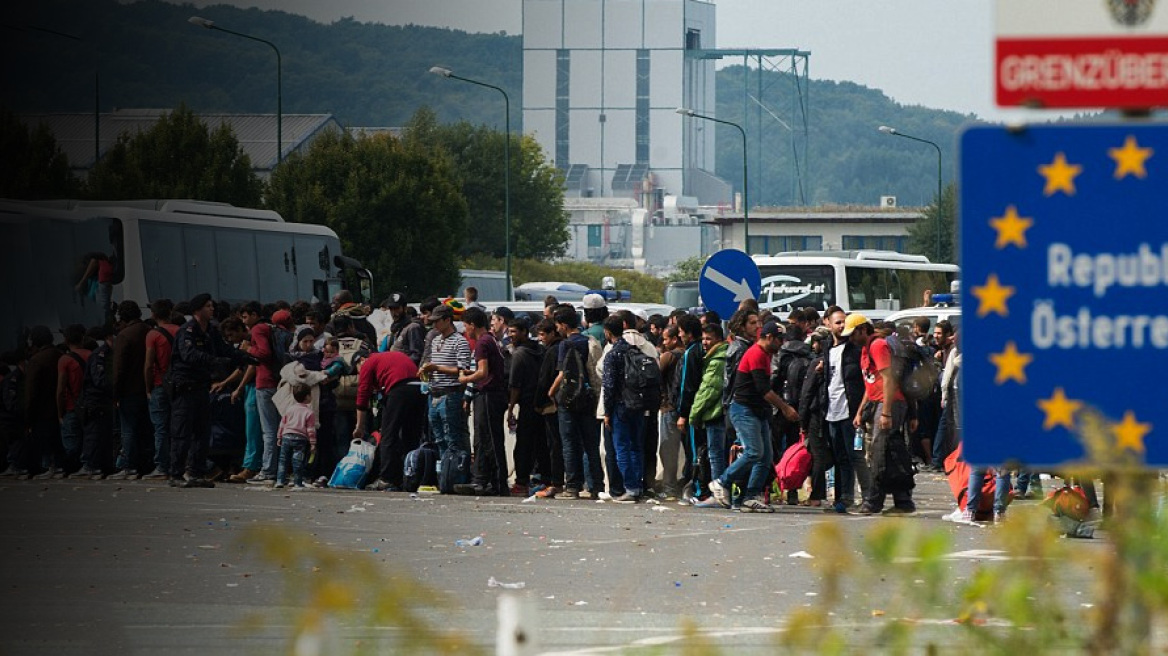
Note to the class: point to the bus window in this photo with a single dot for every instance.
(164, 262)
(787, 287)
(237, 266)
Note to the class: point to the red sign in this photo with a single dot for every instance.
(1082, 53)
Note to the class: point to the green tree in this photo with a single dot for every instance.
(688, 269)
(922, 235)
(32, 166)
(180, 157)
(395, 208)
(539, 224)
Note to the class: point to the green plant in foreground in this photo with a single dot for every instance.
(327, 586)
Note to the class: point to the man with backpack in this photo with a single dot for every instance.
(576, 402)
(626, 378)
(395, 375)
(885, 410)
(749, 412)
(159, 346)
(634, 338)
(96, 405)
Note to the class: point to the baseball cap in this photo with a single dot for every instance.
(395, 300)
(440, 312)
(594, 301)
(771, 328)
(853, 321)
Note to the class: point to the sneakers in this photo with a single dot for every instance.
(999, 517)
(954, 516)
(603, 496)
(156, 475)
(46, 475)
(198, 482)
(12, 472)
(261, 479)
(719, 492)
(242, 476)
(839, 507)
(569, 493)
(123, 475)
(708, 502)
(86, 473)
(627, 497)
(380, 485)
(866, 509)
(756, 506)
(323, 482)
(279, 486)
(548, 492)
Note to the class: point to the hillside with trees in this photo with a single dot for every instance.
(370, 75)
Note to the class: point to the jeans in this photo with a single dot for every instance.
(448, 423)
(269, 423)
(758, 456)
(580, 435)
(1027, 480)
(293, 455)
(719, 450)
(616, 480)
(253, 453)
(669, 449)
(1001, 490)
(71, 438)
(841, 437)
(97, 432)
(628, 428)
(134, 414)
(159, 404)
(941, 439)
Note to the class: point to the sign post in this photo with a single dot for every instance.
(1065, 266)
(729, 277)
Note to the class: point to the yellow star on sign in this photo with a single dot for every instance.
(1011, 364)
(1011, 228)
(1060, 176)
(1060, 411)
(993, 296)
(1130, 159)
(1129, 433)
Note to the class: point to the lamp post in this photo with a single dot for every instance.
(210, 25)
(446, 72)
(96, 88)
(896, 133)
(745, 180)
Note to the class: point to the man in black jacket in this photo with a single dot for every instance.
(843, 390)
(553, 477)
(198, 350)
(523, 382)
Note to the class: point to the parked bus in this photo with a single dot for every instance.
(160, 249)
(875, 283)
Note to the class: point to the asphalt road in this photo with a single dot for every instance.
(138, 568)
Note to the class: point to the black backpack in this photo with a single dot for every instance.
(918, 373)
(642, 383)
(421, 467)
(455, 470)
(281, 345)
(793, 378)
(575, 394)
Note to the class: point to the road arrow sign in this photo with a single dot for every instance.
(729, 277)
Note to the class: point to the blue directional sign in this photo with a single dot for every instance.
(728, 278)
(1064, 236)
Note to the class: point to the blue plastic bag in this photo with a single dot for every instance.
(354, 467)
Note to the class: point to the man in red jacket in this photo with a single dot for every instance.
(395, 375)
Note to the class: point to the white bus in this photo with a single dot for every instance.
(160, 249)
(875, 283)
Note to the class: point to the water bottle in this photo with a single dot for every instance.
(858, 443)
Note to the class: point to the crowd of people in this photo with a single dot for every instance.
(273, 395)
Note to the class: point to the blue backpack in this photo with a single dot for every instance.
(421, 467)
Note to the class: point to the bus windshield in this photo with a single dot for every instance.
(786, 287)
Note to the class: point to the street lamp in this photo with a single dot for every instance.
(96, 89)
(210, 25)
(896, 133)
(446, 72)
(745, 195)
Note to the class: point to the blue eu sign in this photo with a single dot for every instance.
(1065, 287)
(728, 278)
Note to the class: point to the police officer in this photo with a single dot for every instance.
(198, 351)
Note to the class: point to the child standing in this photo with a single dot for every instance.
(296, 437)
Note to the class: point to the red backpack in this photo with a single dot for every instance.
(795, 466)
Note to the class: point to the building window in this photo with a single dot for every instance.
(693, 39)
(875, 242)
(594, 235)
(642, 111)
(770, 244)
(563, 86)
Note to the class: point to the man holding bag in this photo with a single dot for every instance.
(391, 373)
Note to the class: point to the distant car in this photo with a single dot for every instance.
(935, 313)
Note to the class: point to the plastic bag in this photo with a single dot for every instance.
(353, 468)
